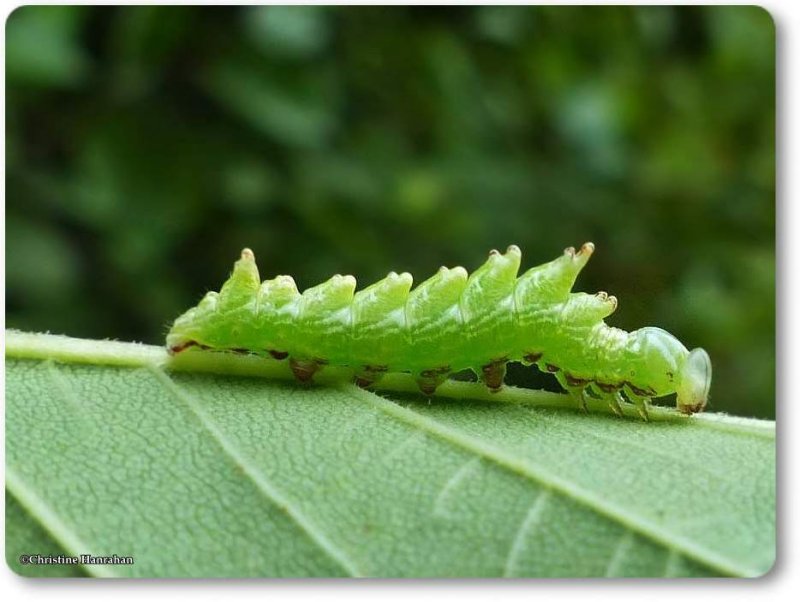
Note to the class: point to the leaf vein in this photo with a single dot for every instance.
(528, 469)
(532, 519)
(53, 523)
(671, 564)
(620, 552)
(262, 483)
(453, 482)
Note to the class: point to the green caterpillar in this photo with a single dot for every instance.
(449, 323)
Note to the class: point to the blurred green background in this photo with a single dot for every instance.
(146, 146)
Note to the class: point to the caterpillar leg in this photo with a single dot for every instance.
(614, 400)
(576, 388)
(611, 396)
(640, 401)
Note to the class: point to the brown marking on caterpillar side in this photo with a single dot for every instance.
(638, 391)
(303, 370)
(607, 387)
(435, 372)
(182, 347)
(532, 357)
(493, 373)
(574, 381)
(278, 355)
(240, 350)
(551, 367)
(321, 361)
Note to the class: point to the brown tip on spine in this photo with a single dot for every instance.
(494, 252)
(570, 251)
(248, 255)
(586, 249)
(602, 295)
(514, 250)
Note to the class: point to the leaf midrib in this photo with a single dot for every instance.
(537, 473)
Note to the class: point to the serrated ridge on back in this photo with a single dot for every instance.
(552, 281)
(242, 285)
(372, 305)
(490, 284)
(435, 296)
(332, 295)
(449, 295)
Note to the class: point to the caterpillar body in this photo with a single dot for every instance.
(451, 322)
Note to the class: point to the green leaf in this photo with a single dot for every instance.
(115, 448)
(25, 535)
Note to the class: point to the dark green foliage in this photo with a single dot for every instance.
(147, 145)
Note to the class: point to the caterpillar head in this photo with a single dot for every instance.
(665, 366)
(694, 381)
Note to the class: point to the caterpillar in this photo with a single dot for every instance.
(451, 322)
